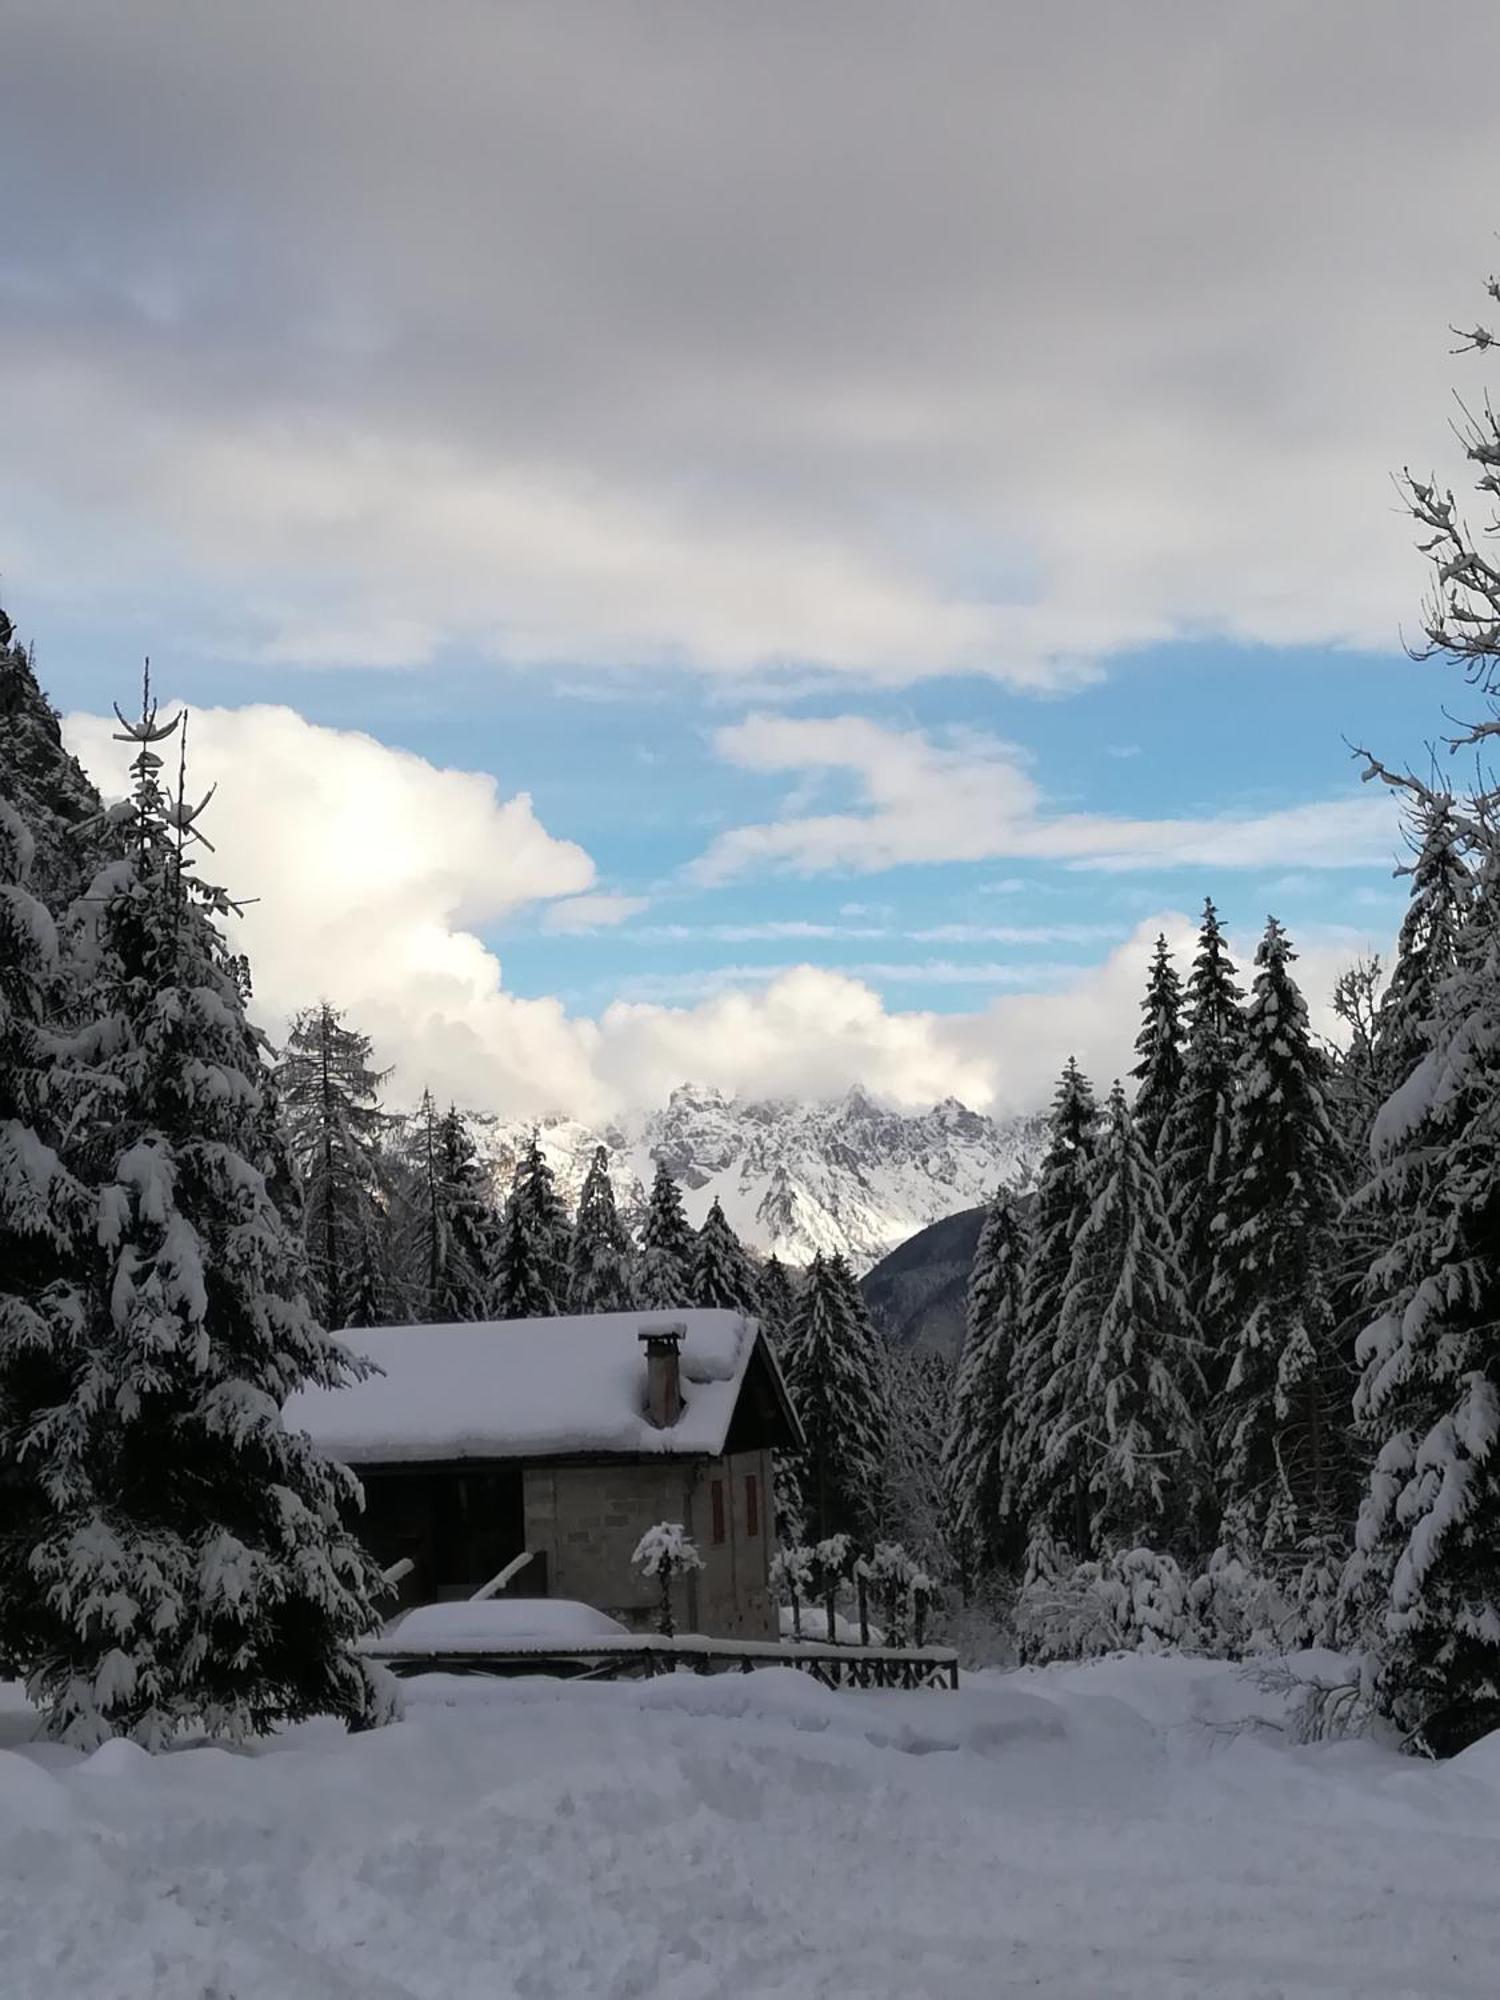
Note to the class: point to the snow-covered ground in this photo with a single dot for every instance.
(1131, 1828)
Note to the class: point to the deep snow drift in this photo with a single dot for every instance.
(1135, 1828)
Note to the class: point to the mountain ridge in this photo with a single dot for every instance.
(794, 1177)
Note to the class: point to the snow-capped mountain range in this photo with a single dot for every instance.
(848, 1174)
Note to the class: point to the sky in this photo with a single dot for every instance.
(774, 546)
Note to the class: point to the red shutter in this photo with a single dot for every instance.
(752, 1505)
(716, 1501)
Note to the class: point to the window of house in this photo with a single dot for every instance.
(716, 1504)
(752, 1504)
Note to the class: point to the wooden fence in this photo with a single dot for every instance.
(647, 1655)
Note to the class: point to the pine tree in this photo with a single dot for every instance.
(44, 1218)
(979, 1465)
(831, 1359)
(1427, 948)
(62, 813)
(1193, 1147)
(775, 1300)
(1159, 1046)
(195, 1566)
(454, 1239)
(601, 1275)
(330, 1098)
(916, 1509)
(1283, 1430)
(1428, 1402)
(1055, 1499)
(664, 1273)
(721, 1274)
(1127, 1330)
(535, 1242)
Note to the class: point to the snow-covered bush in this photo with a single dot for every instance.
(1133, 1601)
(791, 1579)
(666, 1551)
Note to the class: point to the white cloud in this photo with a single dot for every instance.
(372, 866)
(600, 911)
(1120, 340)
(969, 798)
(370, 871)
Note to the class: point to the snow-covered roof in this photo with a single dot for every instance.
(534, 1388)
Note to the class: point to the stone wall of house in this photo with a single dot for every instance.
(588, 1518)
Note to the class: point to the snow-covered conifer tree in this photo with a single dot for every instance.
(1427, 1565)
(979, 1453)
(601, 1276)
(664, 1272)
(1159, 1046)
(775, 1299)
(1192, 1151)
(195, 1567)
(1283, 1429)
(1127, 1333)
(535, 1242)
(45, 1218)
(721, 1274)
(1048, 1385)
(61, 811)
(1442, 895)
(831, 1360)
(330, 1101)
(454, 1237)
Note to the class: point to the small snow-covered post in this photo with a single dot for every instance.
(666, 1551)
(921, 1603)
(830, 1555)
(862, 1594)
(790, 1571)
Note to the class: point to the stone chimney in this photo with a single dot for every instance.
(662, 1341)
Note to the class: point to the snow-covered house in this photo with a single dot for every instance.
(568, 1438)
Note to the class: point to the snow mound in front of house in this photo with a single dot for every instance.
(467, 1626)
(1131, 1828)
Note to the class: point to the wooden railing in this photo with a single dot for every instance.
(647, 1655)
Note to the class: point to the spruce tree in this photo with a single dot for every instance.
(664, 1273)
(454, 1238)
(601, 1275)
(45, 1218)
(69, 832)
(1159, 1046)
(1428, 1402)
(979, 1463)
(1193, 1149)
(1427, 1562)
(721, 1274)
(1427, 947)
(1049, 1386)
(536, 1241)
(1127, 1329)
(832, 1362)
(330, 1099)
(195, 1567)
(775, 1300)
(1284, 1461)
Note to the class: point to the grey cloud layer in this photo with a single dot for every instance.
(867, 336)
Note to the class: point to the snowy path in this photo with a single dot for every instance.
(1086, 1833)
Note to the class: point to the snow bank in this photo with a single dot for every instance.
(1127, 1829)
(526, 1388)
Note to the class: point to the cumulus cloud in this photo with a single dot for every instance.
(971, 798)
(369, 872)
(1011, 338)
(372, 869)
